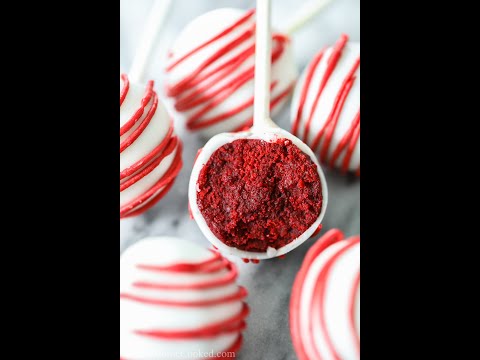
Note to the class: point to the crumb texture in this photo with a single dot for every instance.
(256, 194)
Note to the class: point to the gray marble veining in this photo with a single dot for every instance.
(269, 283)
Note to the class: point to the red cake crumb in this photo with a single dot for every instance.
(256, 194)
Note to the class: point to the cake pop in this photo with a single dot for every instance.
(259, 193)
(150, 152)
(178, 300)
(325, 302)
(326, 106)
(210, 69)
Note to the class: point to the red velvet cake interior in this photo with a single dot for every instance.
(256, 194)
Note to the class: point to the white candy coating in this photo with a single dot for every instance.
(135, 315)
(200, 30)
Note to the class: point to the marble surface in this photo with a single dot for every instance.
(269, 283)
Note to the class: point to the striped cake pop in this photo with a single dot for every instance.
(178, 301)
(150, 152)
(326, 106)
(210, 71)
(325, 302)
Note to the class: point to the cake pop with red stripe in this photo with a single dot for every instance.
(150, 152)
(325, 301)
(178, 299)
(326, 106)
(210, 69)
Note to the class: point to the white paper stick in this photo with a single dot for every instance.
(151, 31)
(263, 50)
(306, 13)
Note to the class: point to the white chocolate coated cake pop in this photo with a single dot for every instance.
(178, 300)
(210, 71)
(150, 152)
(325, 302)
(326, 106)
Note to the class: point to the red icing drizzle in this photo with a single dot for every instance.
(234, 324)
(305, 346)
(185, 267)
(325, 135)
(226, 280)
(195, 90)
(148, 163)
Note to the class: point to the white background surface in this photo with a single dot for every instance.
(269, 283)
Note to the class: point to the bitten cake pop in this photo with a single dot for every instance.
(326, 106)
(325, 302)
(150, 152)
(260, 193)
(178, 301)
(210, 69)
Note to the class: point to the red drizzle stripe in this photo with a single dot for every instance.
(125, 88)
(153, 154)
(139, 130)
(332, 119)
(213, 267)
(349, 141)
(150, 197)
(148, 169)
(229, 278)
(243, 19)
(184, 267)
(239, 295)
(138, 114)
(303, 96)
(183, 85)
(234, 324)
(210, 78)
(351, 138)
(193, 93)
(331, 64)
(197, 120)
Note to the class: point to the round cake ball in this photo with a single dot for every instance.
(150, 152)
(325, 302)
(210, 71)
(326, 106)
(178, 301)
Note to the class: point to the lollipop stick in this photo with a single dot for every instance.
(150, 33)
(263, 50)
(306, 13)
